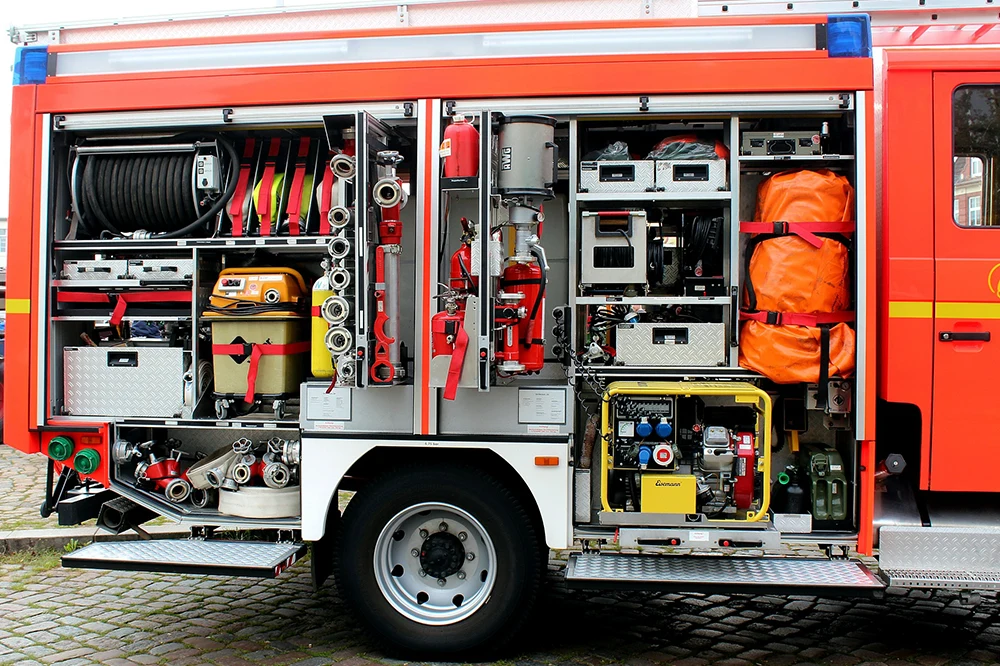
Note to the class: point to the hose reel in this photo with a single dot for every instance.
(153, 190)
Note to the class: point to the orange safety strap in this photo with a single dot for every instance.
(266, 181)
(255, 351)
(457, 360)
(121, 301)
(325, 200)
(798, 319)
(805, 230)
(295, 194)
(242, 181)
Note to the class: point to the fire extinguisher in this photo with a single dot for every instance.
(448, 338)
(460, 149)
(460, 278)
(526, 330)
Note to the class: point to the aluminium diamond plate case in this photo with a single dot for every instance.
(625, 176)
(691, 175)
(161, 270)
(666, 344)
(125, 381)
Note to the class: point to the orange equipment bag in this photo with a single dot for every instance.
(798, 298)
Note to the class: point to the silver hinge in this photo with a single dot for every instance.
(645, 8)
(33, 37)
(403, 14)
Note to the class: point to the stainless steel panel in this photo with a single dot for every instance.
(705, 344)
(387, 409)
(793, 523)
(697, 537)
(153, 386)
(496, 413)
(729, 571)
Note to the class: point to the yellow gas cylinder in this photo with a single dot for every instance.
(322, 359)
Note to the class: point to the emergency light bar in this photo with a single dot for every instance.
(450, 47)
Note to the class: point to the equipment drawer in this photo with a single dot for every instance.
(161, 270)
(125, 381)
(617, 176)
(662, 344)
(691, 175)
(99, 269)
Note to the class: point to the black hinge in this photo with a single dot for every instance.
(57, 122)
(227, 115)
(644, 103)
(449, 107)
(845, 100)
(408, 109)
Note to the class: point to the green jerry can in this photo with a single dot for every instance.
(827, 484)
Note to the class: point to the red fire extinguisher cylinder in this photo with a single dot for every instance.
(463, 160)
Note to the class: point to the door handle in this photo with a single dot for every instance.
(963, 336)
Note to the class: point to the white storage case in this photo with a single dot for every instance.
(125, 381)
(624, 177)
(671, 344)
(691, 175)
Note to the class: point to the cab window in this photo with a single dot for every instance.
(976, 122)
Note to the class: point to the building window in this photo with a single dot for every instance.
(976, 153)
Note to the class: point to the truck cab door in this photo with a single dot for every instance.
(966, 312)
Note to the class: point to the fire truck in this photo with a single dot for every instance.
(428, 289)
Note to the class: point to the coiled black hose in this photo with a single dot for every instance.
(154, 192)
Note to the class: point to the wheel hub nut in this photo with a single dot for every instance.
(442, 582)
(415, 552)
(461, 575)
(470, 556)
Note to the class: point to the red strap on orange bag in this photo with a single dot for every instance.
(455, 367)
(266, 181)
(805, 230)
(295, 194)
(257, 350)
(121, 301)
(325, 200)
(798, 319)
(242, 181)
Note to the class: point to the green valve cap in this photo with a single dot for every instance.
(60, 448)
(87, 461)
(783, 478)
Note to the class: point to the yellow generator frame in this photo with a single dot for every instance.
(740, 392)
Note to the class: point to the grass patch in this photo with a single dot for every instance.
(32, 560)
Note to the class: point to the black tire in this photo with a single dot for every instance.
(519, 559)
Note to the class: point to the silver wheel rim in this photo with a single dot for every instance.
(416, 558)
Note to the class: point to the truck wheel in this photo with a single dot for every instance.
(439, 560)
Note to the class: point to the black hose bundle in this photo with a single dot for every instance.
(154, 192)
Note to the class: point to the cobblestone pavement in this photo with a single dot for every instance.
(52, 615)
(22, 489)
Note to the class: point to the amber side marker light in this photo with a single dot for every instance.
(546, 461)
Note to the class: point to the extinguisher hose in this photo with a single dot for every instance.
(541, 294)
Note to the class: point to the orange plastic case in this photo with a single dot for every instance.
(790, 275)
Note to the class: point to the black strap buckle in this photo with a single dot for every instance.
(779, 228)
(774, 318)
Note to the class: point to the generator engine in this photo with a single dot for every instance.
(688, 453)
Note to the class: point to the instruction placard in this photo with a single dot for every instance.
(541, 406)
(332, 405)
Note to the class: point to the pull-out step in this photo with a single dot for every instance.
(961, 558)
(254, 559)
(724, 574)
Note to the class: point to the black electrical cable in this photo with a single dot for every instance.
(154, 192)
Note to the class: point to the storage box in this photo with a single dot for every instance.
(125, 381)
(617, 176)
(277, 374)
(161, 270)
(615, 254)
(99, 269)
(678, 344)
(691, 175)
